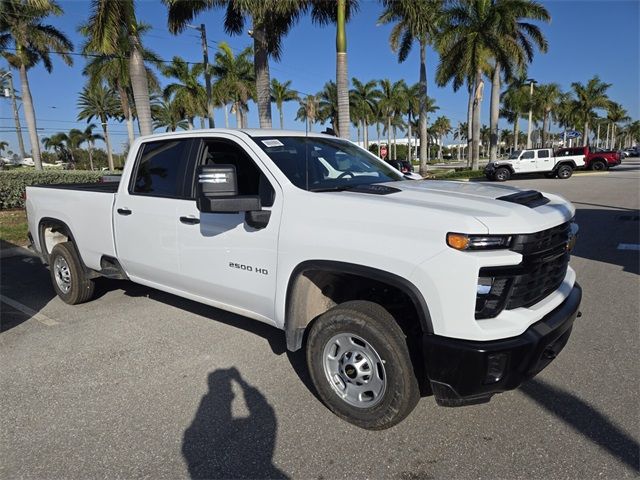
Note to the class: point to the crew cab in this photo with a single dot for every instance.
(592, 159)
(538, 160)
(294, 230)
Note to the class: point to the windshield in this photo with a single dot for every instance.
(515, 154)
(317, 164)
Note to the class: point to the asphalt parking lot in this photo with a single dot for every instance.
(138, 383)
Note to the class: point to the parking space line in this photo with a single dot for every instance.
(629, 246)
(49, 322)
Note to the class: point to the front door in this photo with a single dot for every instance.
(527, 162)
(222, 258)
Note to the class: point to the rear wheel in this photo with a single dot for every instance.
(598, 166)
(502, 174)
(67, 275)
(359, 362)
(564, 172)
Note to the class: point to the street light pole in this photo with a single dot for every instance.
(531, 82)
(207, 73)
(16, 117)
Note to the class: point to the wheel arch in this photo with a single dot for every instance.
(51, 232)
(570, 163)
(308, 294)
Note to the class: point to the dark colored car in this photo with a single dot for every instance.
(402, 165)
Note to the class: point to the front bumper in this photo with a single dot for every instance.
(464, 372)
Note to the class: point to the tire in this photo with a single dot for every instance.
(371, 342)
(598, 166)
(564, 172)
(67, 275)
(502, 174)
(550, 174)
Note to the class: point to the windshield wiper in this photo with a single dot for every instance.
(340, 188)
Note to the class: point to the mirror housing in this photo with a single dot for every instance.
(217, 191)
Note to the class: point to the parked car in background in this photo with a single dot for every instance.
(633, 152)
(540, 160)
(594, 159)
(402, 165)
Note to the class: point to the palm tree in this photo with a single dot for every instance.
(328, 104)
(270, 20)
(589, 98)
(235, 77)
(24, 42)
(416, 20)
(515, 101)
(58, 143)
(391, 98)
(169, 115)
(365, 96)
(90, 138)
(115, 70)
(545, 100)
(187, 92)
(520, 37)
(307, 111)
(108, 22)
(442, 127)
(280, 93)
(100, 102)
(615, 115)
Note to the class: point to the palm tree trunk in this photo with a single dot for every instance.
(409, 138)
(477, 104)
(365, 133)
(126, 111)
(238, 115)
(107, 140)
(516, 131)
(281, 117)
(495, 112)
(90, 149)
(190, 122)
(470, 128)
(16, 118)
(586, 133)
(613, 136)
(342, 82)
(440, 148)
(545, 127)
(378, 132)
(358, 129)
(388, 137)
(226, 116)
(395, 145)
(607, 142)
(263, 77)
(423, 108)
(30, 117)
(140, 87)
(202, 123)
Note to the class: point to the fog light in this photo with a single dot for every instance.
(484, 285)
(496, 364)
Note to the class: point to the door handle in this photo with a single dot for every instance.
(124, 211)
(190, 220)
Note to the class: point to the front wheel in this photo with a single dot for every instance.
(564, 172)
(359, 362)
(502, 174)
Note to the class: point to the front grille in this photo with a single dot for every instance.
(545, 260)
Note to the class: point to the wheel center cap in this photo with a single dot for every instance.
(350, 371)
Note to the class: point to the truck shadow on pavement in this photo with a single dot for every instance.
(217, 445)
(586, 420)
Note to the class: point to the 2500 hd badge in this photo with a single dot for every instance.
(249, 268)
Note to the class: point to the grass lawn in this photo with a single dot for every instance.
(13, 227)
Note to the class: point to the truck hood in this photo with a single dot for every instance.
(481, 201)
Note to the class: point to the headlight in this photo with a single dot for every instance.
(460, 241)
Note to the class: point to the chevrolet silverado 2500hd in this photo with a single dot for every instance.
(295, 231)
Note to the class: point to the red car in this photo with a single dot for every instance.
(594, 158)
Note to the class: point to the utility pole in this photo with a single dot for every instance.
(12, 94)
(207, 74)
(531, 82)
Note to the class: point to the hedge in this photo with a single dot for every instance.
(14, 182)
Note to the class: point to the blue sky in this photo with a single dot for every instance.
(586, 38)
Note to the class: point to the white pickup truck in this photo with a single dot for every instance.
(302, 232)
(537, 160)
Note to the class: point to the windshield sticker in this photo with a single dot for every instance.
(272, 142)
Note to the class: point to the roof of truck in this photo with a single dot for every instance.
(252, 132)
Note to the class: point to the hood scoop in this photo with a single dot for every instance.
(528, 198)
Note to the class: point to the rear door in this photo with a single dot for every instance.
(145, 216)
(544, 160)
(222, 258)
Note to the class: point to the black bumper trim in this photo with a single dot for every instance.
(458, 369)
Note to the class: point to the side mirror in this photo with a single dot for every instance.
(217, 191)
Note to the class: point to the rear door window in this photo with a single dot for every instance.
(543, 153)
(161, 168)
